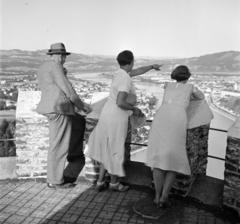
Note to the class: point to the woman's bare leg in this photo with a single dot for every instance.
(158, 178)
(113, 179)
(168, 183)
(102, 172)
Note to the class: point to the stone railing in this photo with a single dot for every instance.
(231, 193)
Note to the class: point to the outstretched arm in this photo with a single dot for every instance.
(144, 69)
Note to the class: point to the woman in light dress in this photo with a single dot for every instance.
(166, 153)
(106, 142)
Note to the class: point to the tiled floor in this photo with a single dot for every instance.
(28, 201)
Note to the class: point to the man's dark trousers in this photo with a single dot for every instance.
(75, 158)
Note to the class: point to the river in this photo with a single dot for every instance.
(217, 140)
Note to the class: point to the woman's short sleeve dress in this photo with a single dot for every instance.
(107, 141)
(167, 139)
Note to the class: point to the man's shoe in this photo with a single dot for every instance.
(67, 179)
(61, 186)
(53, 186)
(68, 185)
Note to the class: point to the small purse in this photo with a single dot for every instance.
(131, 99)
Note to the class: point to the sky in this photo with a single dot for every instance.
(153, 28)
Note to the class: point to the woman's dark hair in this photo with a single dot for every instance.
(181, 73)
(125, 58)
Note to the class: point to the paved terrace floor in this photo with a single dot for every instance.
(31, 201)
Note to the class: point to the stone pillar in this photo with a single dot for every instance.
(32, 138)
(231, 193)
(197, 148)
(197, 151)
(91, 169)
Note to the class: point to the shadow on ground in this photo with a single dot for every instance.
(32, 202)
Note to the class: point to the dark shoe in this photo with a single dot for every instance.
(67, 180)
(101, 186)
(68, 185)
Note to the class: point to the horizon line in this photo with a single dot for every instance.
(138, 56)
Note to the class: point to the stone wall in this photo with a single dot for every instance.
(31, 137)
(32, 144)
(197, 151)
(231, 194)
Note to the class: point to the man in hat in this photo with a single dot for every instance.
(58, 102)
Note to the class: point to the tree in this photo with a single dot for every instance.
(7, 131)
(2, 105)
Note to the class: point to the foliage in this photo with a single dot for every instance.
(2, 105)
(7, 131)
(9, 94)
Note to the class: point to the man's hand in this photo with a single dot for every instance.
(65, 71)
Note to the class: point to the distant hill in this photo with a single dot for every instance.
(27, 62)
(228, 61)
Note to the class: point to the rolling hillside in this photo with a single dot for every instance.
(27, 62)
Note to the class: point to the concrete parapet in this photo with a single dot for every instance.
(7, 168)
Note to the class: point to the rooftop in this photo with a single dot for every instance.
(31, 201)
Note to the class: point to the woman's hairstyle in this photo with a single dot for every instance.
(125, 58)
(181, 73)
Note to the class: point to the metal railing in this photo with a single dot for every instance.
(140, 144)
(7, 139)
(210, 156)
